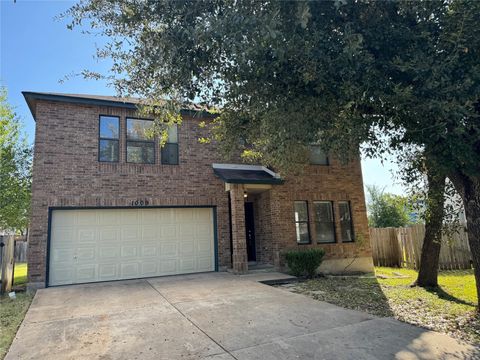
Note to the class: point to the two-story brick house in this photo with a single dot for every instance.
(109, 203)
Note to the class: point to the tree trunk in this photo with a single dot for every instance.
(428, 273)
(469, 189)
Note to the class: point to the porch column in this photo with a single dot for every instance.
(239, 241)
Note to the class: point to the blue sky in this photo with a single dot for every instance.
(36, 51)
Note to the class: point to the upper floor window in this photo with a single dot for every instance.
(324, 222)
(301, 222)
(318, 156)
(140, 142)
(108, 143)
(170, 149)
(346, 225)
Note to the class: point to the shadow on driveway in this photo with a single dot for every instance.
(213, 316)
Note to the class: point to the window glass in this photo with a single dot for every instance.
(140, 152)
(324, 222)
(302, 233)
(108, 143)
(301, 212)
(170, 154)
(173, 134)
(109, 127)
(346, 226)
(301, 222)
(318, 156)
(140, 141)
(138, 129)
(108, 150)
(170, 149)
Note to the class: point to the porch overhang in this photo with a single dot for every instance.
(246, 174)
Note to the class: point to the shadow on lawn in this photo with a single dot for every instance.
(376, 302)
(442, 294)
(456, 273)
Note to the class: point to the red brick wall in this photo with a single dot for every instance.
(66, 172)
(335, 182)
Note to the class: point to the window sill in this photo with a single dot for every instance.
(139, 163)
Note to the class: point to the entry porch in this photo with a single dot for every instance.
(250, 210)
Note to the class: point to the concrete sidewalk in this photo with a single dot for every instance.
(213, 316)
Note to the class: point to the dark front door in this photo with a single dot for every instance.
(250, 232)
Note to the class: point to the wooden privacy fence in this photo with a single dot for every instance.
(7, 261)
(402, 247)
(9, 246)
(21, 247)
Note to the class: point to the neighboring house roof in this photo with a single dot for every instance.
(99, 100)
(246, 174)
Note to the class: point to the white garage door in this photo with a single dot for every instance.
(114, 244)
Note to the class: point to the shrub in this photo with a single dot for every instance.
(304, 262)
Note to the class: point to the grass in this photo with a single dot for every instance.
(12, 311)
(450, 308)
(20, 274)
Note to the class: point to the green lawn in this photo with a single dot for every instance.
(449, 308)
(20, 275)
(13, 311)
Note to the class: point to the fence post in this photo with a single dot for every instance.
(2, 245)
(8, 259)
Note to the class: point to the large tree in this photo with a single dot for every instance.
(431, 99)
(279, 70)
(290, 73)
(15, 176)
(434, 217)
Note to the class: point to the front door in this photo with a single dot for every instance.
(250, 232)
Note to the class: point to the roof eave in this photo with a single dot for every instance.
(32, 97)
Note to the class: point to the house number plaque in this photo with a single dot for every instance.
(140, 202)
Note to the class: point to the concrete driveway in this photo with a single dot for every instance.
(214, 316)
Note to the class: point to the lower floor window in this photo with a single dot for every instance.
(346, 225)
(301, 222)
(324, 222)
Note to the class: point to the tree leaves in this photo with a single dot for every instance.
(15, 171)
(288, 73)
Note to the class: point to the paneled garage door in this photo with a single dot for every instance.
(113, 244)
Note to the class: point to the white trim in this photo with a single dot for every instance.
(245, 167)
(274, 174)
